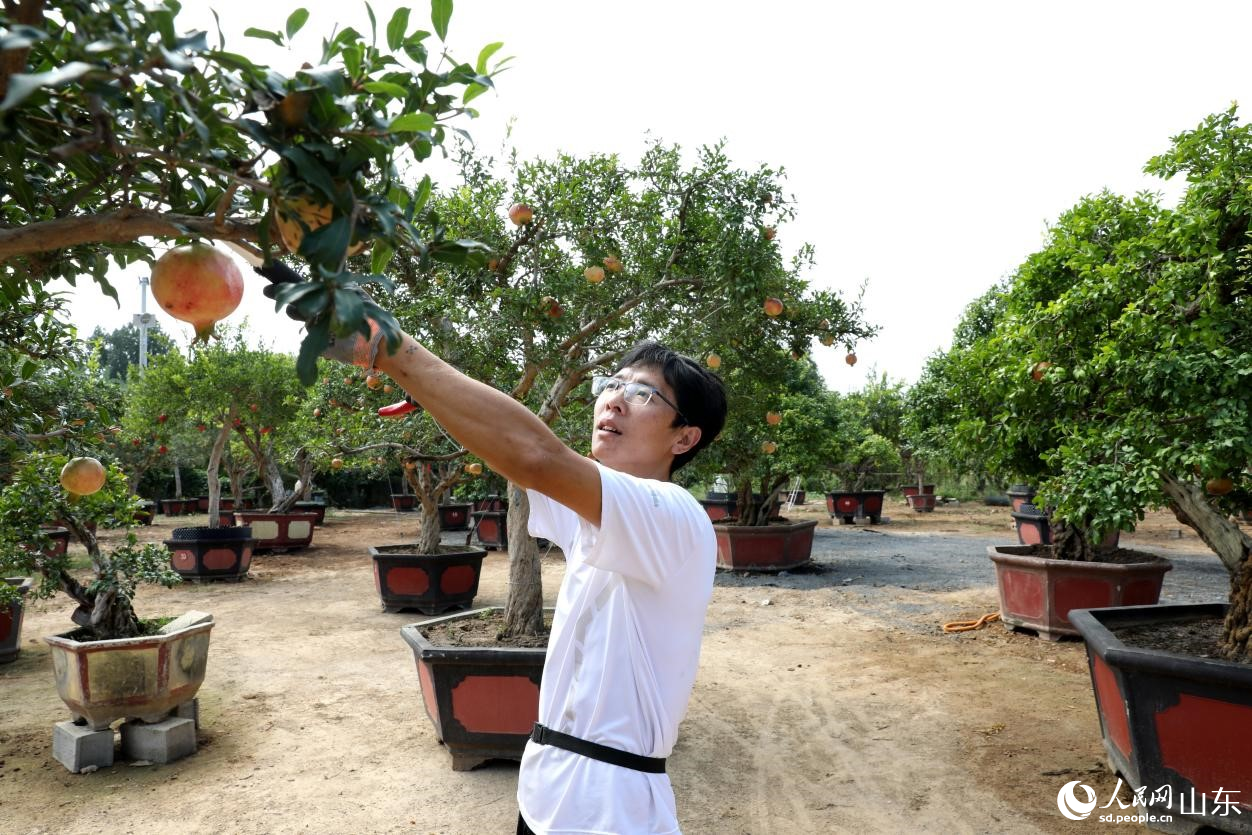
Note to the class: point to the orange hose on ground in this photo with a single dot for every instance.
(967, 625)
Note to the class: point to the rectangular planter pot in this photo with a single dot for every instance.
(1171, 720)
(430, 583)
(11, 621)
(142, 678)
(279, 531)
(849, 505)
(1038, 593)
(922, 502)
(911, 490)
(719, 509)
(483, 701)
(403, 502)
(774, 547)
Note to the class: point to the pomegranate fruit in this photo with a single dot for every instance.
(713, 361)
(594, 274)
(82, 476)
(773, 418)
(612, 263)
(296, 214)
(474, 468)
(772, 306)
(521, 214)
(769, 447)
(197, 284)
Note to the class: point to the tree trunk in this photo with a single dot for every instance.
(274, 480)
(106, 611)
(428, 534)
(523, 610)
(1072, 542)
(178, 481)
(215, 463)
(1232, 547)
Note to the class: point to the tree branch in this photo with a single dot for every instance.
(122, 226)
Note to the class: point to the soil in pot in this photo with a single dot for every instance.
(1201, 637)
(1121, 556)
(483, 631)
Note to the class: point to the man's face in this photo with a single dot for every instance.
(638, 439)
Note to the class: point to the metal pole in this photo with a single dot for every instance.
(142, 321)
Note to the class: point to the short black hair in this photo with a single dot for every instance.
(700, 394)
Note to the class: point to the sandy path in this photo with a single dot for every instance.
(836, 707)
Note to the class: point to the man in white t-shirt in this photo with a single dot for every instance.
(640, 558)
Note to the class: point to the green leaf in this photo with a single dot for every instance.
(22, 37)
(308, 168)
(264, 34)
(412, 123)
(315, 341)
(22, 85)
(381, 87)
(327, 245)
(420, 198)
(440, 14)
(396, 28)
(485, 55)
(381, 256)
(348, 312)
(369, 10)
(472, 92)
(296, 21)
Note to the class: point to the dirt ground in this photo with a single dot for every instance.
(822, 705)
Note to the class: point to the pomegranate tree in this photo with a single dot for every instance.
(197, 284)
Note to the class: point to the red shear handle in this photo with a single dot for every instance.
(396, 410)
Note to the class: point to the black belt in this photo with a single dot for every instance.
(546, 736)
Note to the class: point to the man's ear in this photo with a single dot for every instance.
(689, 438)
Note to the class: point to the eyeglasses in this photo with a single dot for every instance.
(636, 394)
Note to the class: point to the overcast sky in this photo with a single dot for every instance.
(927, 145)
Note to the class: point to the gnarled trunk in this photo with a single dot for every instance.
(1232, 547)
(215, 463)
(1073, 542)
(523, 612)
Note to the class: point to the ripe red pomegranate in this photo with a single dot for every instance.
(197, 284)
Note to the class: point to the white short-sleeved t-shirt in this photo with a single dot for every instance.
(622, 655)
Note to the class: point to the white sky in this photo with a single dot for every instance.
(927, 144)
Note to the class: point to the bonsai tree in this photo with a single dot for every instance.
(431, 463)
(32, 500)
(135, 135)
(867, 448)
(1118, 365)
(588, 257)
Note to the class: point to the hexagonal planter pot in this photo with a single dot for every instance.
(483, 701)
(146, 511)
(430, 583)
(455, 517)
(1179, 726)
(129, 678)
(490, 503)
(1039, 592)
(719, 509)
(491, 529)
(774, 547)
(11, 621)
(1020, 494)
(211, 553)
(318, 509)
(279, 531)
